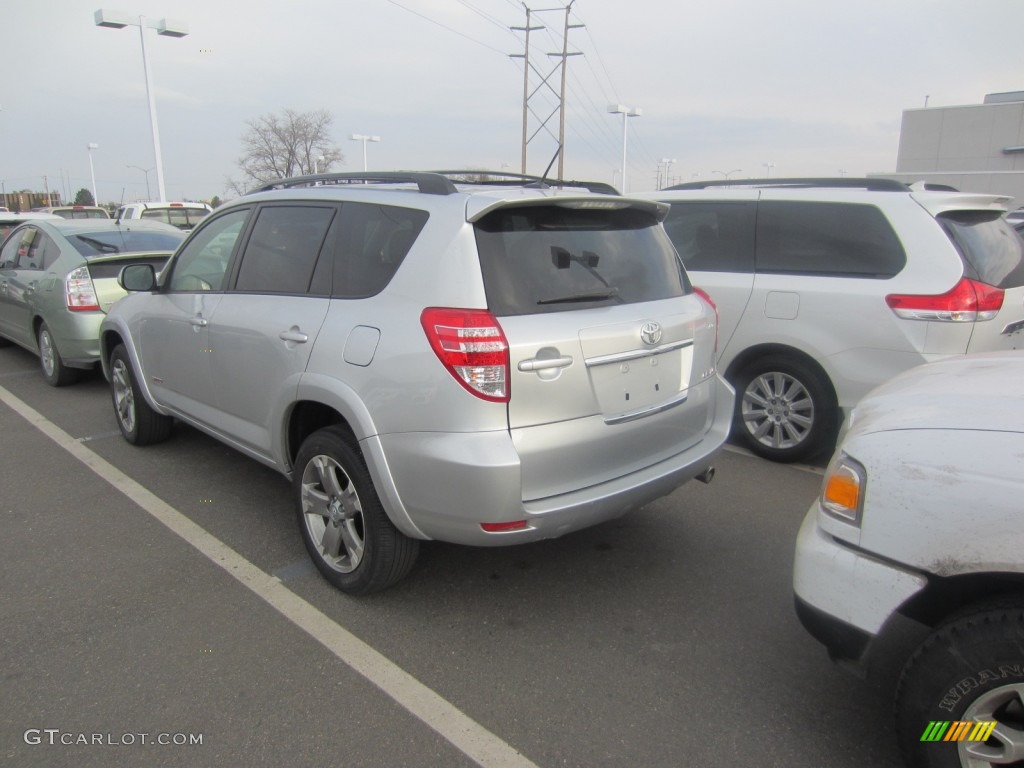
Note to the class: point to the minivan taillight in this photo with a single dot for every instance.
(968, 301)
(472, 346)
(79, 293)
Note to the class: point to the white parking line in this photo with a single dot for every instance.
(464, 733)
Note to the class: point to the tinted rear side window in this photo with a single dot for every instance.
(283, 248)
(993, 251)
(840, 239)
(713, 237)
(553, 259)
(372, 241)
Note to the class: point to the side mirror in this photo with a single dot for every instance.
(137, 277)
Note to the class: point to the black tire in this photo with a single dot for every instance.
(52, 364)
(969, 670)
(343, 524)
(785, 409)
(138, 422)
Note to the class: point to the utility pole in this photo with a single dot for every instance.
(525, 56)
(545, 83)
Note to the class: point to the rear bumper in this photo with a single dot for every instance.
(77, 336)
(443, 486)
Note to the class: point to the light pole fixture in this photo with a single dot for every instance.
(364, 139)
(770, 166)
(727, 174)
(166, 27)
(668, 163)
(95, 198)
(149, 197)
(626, 112)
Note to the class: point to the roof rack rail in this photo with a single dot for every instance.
(427, 183)
(501, 178)
(873, 185)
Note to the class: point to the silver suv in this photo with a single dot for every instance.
(480, 363)
(829, 287)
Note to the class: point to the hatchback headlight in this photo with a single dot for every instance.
(842, 492)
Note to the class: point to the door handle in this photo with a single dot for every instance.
(544, 364)
(293, 335)
(199, 322)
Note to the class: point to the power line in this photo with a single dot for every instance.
(445, 26)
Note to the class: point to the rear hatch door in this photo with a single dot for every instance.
(993, 255)
(608, 343)
(104, 271)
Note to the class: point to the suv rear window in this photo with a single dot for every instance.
(551, 258)
(993, 252)
(837, 239)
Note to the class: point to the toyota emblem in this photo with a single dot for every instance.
(650, 333)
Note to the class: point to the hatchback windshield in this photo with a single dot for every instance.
(123, 241)
(553, 258)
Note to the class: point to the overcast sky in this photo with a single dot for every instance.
(816, 87)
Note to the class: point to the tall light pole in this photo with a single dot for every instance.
(166, 27)
(95, 198)
(626, 112)
(149, 197)
(316, 164)
(770, 166)
(364, 139)
(727, 174)
(668, 163)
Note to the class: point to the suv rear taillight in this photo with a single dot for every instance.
(704, 295)
(79, 292)
(472, 346)
(968, 301)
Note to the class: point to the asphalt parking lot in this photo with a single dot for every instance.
(181, 604)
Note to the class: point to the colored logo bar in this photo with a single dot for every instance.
(958, 730)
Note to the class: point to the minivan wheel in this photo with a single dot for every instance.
(968, 671)
(54, 371)
(785, 410)
(343, 524)
(138, 422)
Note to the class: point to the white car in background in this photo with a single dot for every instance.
(184, 216)
(828, 287)
(919, 533)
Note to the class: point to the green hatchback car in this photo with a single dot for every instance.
(58, 279)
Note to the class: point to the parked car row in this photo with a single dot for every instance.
(492, 363)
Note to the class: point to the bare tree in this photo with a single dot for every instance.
(278, 146)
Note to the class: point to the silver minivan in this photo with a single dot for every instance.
(486, 364)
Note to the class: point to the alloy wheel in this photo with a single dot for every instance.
(777, 410)
(333, 513)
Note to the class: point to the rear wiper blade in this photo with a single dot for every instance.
(580, 297)
(99, 245)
